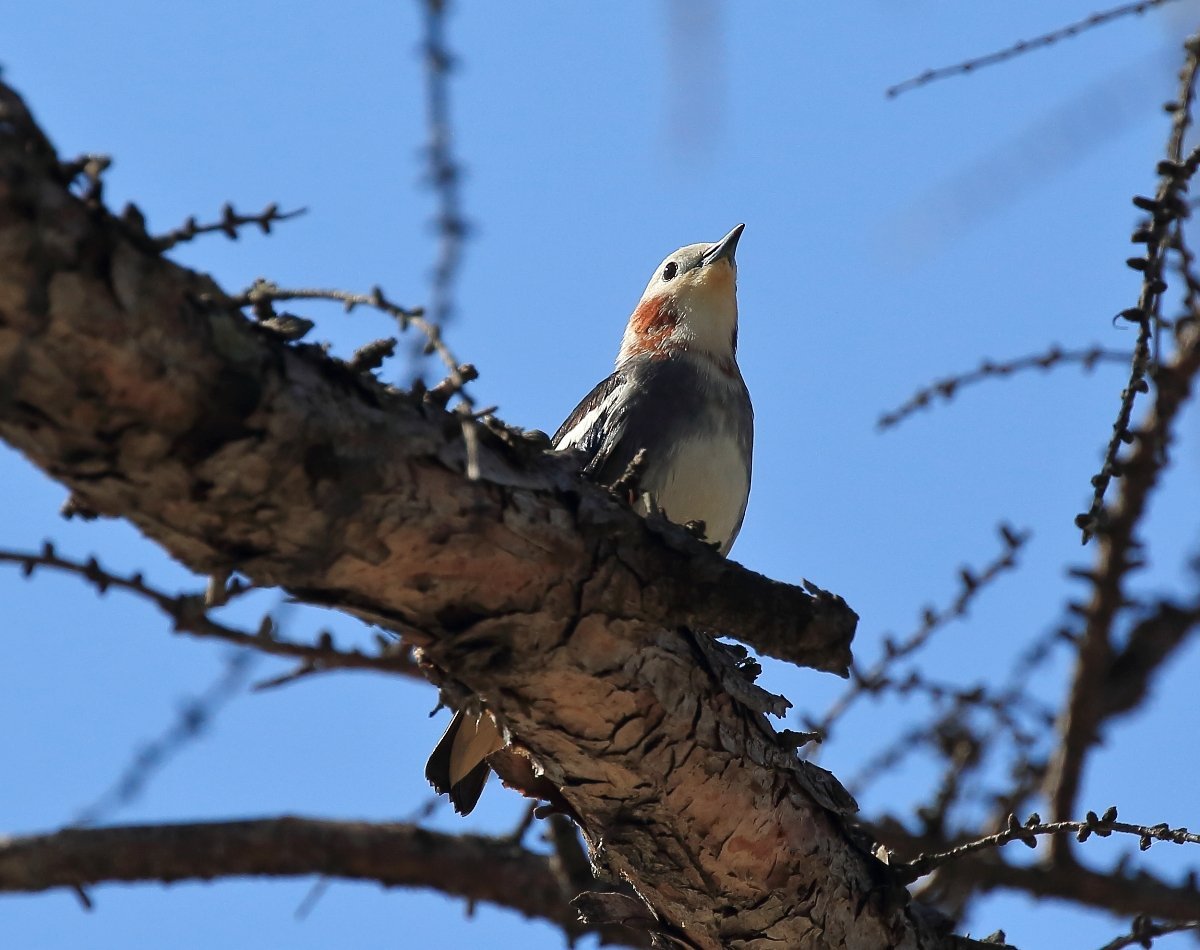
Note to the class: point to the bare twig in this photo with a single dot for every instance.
(263, 294)
(517, 835)
(1002, 707)
(1119, 551)
(1166, 208)
(1024, 46)
(189, 615)
(1118, 555)
(445, 177)
(229, 225)
(1116, 890)
(873, 680)
(1144, 930)
(1027, 834)
(627, 485)
(398, 653)
(947, 388)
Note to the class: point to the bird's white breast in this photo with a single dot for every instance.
(704, 479)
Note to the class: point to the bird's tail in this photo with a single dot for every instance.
(458, 764)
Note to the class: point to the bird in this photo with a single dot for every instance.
(676, 393)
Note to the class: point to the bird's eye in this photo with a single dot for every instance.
(670, 270)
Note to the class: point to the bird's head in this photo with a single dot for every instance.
(690, 304)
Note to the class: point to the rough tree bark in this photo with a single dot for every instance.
(135, 383)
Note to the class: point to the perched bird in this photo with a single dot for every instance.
(678, 394)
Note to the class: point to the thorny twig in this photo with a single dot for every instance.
(1119, 551)
(1024, 46)
(947, 388)
(189, 615)
(1166, 208)
(872, 680)
(1144, 930)
(1100, 825)
(1116, 890)
(262, 294)
(229, 224)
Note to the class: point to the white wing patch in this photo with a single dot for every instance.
(577, 435)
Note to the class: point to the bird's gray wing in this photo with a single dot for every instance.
(634, 408)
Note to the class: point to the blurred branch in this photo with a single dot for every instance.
(1118, 555)
(1022, 47)
(1144, 930)
(570, 856)
(1038, 652)
(947, 388)
(476, 868)
(1153, 640)
(971, 584)
(263, 295)
(195, 715)
(444, 172)
(1002, 707)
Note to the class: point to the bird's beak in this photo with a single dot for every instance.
(724, 248)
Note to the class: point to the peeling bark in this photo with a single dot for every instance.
(134, 383)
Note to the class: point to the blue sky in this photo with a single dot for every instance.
(887, 243)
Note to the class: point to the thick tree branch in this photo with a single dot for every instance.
(396, 855)
(126, 377)
(576, 623)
